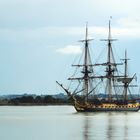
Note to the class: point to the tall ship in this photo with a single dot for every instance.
(104, 86)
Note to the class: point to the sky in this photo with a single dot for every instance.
(39, 39)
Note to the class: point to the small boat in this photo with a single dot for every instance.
(113, 84)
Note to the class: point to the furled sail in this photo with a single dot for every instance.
(125, 80)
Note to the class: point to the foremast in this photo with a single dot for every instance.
(86, 71)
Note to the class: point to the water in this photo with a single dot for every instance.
(64, 123)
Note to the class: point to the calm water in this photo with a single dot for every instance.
(64, 123)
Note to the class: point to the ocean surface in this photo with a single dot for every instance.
(64, 123)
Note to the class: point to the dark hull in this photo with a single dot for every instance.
(107, 110)
(118, 108)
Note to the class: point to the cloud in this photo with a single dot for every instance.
(121, 28)
(128, 27)
(119, 32)
(129, 22)
(70, 49)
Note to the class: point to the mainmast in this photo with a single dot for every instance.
(109, 67)
(109, 70)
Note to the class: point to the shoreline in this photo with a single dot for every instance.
(31, 104)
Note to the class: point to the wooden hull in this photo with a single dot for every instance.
(107, 107)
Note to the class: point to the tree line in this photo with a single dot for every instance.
(37, 100)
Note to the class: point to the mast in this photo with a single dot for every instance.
(86, 71)
(110, 65)
(126, 80)
(86, 64)
(125, 75)
(109, 70)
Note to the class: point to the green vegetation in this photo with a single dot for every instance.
(37, 100)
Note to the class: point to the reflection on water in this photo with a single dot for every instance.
(125, 127)
(113, 123)
(86, 128)
(64, 123)
(111, 126)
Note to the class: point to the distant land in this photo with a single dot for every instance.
(33, 99)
